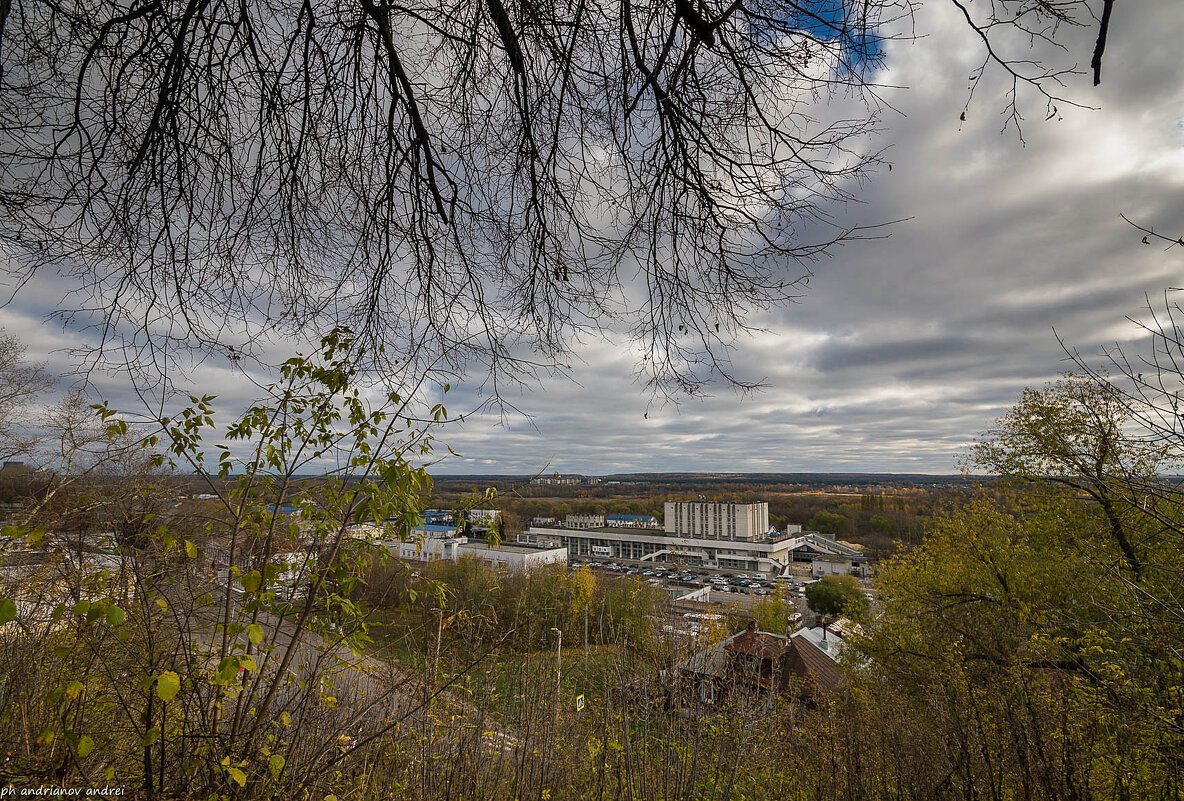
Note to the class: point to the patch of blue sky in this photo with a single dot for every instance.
(847, 24)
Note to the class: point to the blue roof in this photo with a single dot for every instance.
(632, 517)
(434, 528)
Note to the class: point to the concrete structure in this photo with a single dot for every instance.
(512, 557)
(486, 518)
(611, 542)
(724, 536)
(584, 521)
(566, 480)
(632, 521)
(536, 541)
(809, 544)
(743, 522)
(832, 565)
(679, 591)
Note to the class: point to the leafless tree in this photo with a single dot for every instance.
(20, 382)
(458, 182)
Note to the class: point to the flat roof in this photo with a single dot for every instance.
(508, 547)
(639, 531)
(657, 536)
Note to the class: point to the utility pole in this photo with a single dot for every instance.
(558, 669)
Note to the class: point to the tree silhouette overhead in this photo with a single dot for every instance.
(469, 182)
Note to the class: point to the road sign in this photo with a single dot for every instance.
(579, 702)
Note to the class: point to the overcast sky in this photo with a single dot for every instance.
(903, 348)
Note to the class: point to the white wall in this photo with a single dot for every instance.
(825, 567)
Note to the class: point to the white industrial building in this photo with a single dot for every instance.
(717, 521)
(638, 544)
(724, 536)
(833, 565)
(512, 557)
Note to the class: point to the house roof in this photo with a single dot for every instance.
(760, 644)
(829, 643)
(805, 660)
(816, 667)
(711, 661)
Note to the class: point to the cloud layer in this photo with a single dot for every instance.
(904, 347)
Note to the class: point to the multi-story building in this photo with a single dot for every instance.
(567, 480)
(584, 521)
(484, 517)
(725, 536)
(732, 536)
(744, 522)
(650, 545)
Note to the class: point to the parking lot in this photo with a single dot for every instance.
(722, 582)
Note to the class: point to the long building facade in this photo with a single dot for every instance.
(610, 543)
(725, 536)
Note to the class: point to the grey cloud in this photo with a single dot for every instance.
(839, 356)
(905, 347)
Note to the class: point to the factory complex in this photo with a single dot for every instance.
(722, 536)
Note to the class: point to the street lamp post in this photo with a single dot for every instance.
(558, 668)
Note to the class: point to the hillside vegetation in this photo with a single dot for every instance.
(1028, 646)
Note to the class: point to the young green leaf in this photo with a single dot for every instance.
(168, 684)
(251, 581)
(227, 670)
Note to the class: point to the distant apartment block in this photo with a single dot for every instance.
(584, 521)
(484, 517)
(744, 522)
(563, 480)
